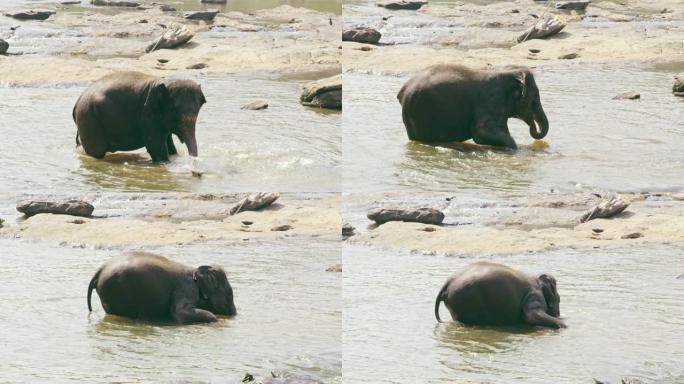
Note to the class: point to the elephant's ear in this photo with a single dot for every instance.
(518, 84)
(157, 95)
(548, 286)
(208, 279)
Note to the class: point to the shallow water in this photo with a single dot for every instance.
(594, 142)
(624, 320)
(289, 318)
(286, 147)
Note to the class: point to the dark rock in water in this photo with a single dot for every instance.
(569, 56)
(2, 222)
(163, 61)
(420, 215)
(167, 8)
(214, 1)
(196, 66)
(255, 201)
(70, 2)
(116, 3)
(362, 35)
(334, 268)
(678, 86)
(348, 230)
(403, 4)
(173, 36)
(30, 15)
(255, 105)
(633, 235)
(628, 96)
(632, 381)
(58, 207)
(574, 5)
(324, 93)
(209, 14)
(281, 228)
(610, 205)
(4, 46)
(544, 28)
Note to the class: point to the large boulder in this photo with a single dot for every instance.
(418, 215)
(362, 35)
(58, 207)
(323, 93)
(544, 28)
(4, 46)
(678, 86)
(174, 36)
(30, 15)
(403, 4)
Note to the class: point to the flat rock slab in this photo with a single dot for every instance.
(116, 3)
(420, 215)
(30, 15)
(573, 5)
(362, 35)
(410, 5)
(323, 93)
(4, 46)
(678, 86)
(255, 201)
(544, 28)
(174, 36)
(202, 15)
(255, 105)
(628, 96)
(57, 207)
(609, 206)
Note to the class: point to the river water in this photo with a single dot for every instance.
(289, 318)
(594, 142)
(624, 320)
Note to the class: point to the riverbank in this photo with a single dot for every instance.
(516, 223)
(478, 35)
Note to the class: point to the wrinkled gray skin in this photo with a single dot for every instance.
(151, 287)
(125, 111)
(493, 294)
(446, 103)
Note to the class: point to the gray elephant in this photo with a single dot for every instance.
(151, 287)
(486, 293)
(446, 103)
(125, 111)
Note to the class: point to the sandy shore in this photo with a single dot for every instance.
(648, 31)
(517, 224)
(93, 43)
(187, 219)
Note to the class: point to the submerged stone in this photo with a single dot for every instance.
(419, 215)
(30, 15)
(58, 207)
(324, 93)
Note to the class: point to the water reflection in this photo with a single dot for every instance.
(484, 339)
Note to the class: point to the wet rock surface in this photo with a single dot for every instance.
(207, 15)
(174, 36)
(544, 28)
(324, 93)
(678, 86)
(348, 230)
(573, 5)
(116, 3)
(419, 215)
(281, 228)
(4, 46)
(628, 96)
(408, 5)
(255, 105)
(30, 15)
(58, 207)
(255, 202)
(362, 35)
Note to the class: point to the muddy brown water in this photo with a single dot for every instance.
(622, 306)
(289, 318)
(594, 142)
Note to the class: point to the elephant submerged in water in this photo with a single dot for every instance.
(151, 287)
(446, 103)
(125, 111)
(486, 293)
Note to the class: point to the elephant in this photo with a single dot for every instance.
(447, 102)
(129, 110)
(487, 293)
(147, 286)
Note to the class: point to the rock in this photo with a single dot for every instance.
(323, 93)
(678, 196)
(167, 8)
(362, 35)
(633, 235)
(70, 2)
(610, 205)
(574, 5)
(544, 28)
(4, 46)
(569, 56)
(680, 277)
(2, 222)
(30, 15)
(214, 1)
(255, 105)
(255, 202)
(403, 4)
(247, 222)
(631, 381)
(348, 230)
(281, 228)
(420, 215)
(196, 66)
(58, 207)
(162, 61)
(334, 268)
(628, 96)
(597, 230)
(116, 3)
(678, 86)
(533, 50)
(208, 15)
(174, 36)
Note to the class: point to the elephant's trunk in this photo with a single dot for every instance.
(189, 134)
(542, 126)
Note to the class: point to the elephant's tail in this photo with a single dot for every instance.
(439, 299)
(91, 286)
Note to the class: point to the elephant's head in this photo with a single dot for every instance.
(547, 283)
(178, 103)
(216, 294)
(525, 102)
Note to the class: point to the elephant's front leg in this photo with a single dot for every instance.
(490, 131)
(534, 312)
(171, 147)
(157, 146)
(185, 312)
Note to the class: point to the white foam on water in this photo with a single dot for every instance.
(196, 166)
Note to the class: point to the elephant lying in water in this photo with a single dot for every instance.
(493, 294)
(125, 111)
(453, 103)
(152, 287)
